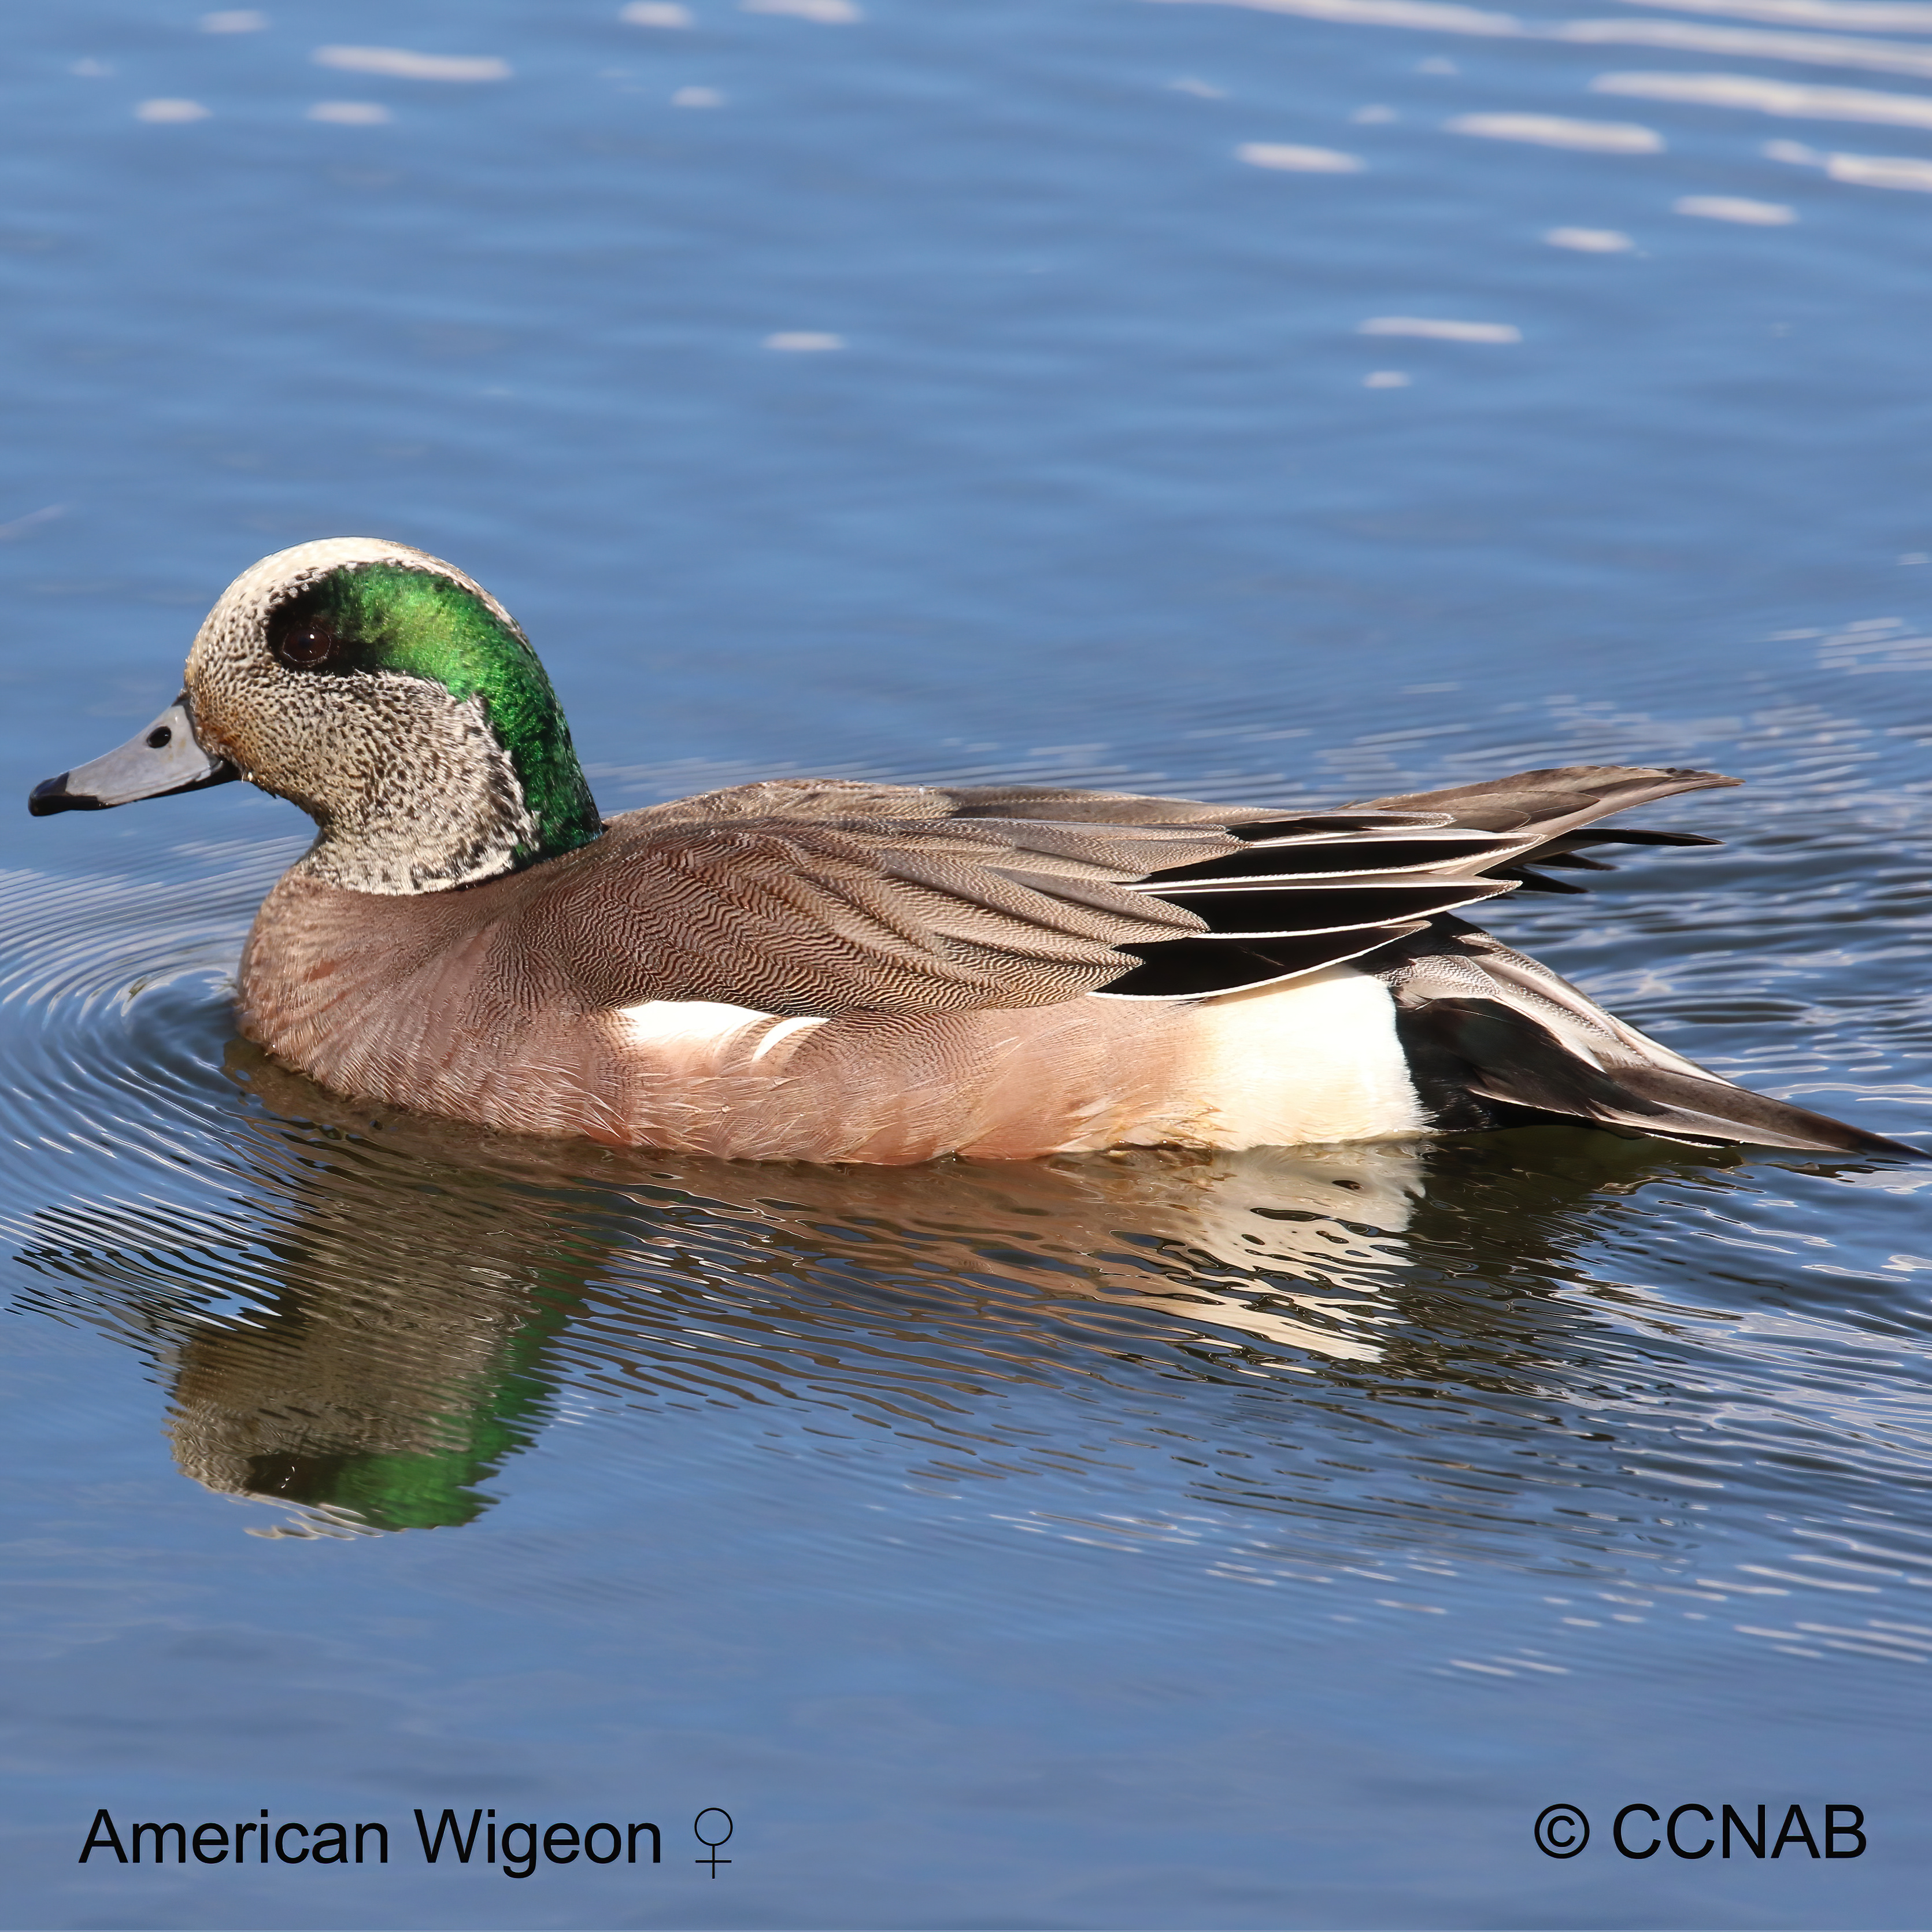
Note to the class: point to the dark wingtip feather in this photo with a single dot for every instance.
(1755, 1119)
(1193, 969)
(1464, 1050)
(1635, 837)
(1538, 882)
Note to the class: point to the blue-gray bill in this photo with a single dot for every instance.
(164, 759)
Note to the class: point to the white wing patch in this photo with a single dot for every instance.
(783, 1029)
(707, 1029)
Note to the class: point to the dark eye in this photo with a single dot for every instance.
(304, 644)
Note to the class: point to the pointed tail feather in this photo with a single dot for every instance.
(1556, 800)
(1490, 1035)
(1491, 1052)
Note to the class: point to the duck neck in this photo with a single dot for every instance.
(484, 791)
(561, 813)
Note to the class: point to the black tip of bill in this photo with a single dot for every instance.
(51, 795)
(165, 759)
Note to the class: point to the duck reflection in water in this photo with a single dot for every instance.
(414, 1295)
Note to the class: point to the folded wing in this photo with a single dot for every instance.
(863, 913)
(818, 898)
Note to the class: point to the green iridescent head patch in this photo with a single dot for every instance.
(418, 623)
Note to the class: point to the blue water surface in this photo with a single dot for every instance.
(1297, 401)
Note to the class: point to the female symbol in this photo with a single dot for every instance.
(697, 1826)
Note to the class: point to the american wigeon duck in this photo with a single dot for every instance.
(831, 970)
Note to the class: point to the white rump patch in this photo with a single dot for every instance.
(1318, 1060)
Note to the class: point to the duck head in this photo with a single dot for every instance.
(388, 695)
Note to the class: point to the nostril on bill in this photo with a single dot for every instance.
(160, 738)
